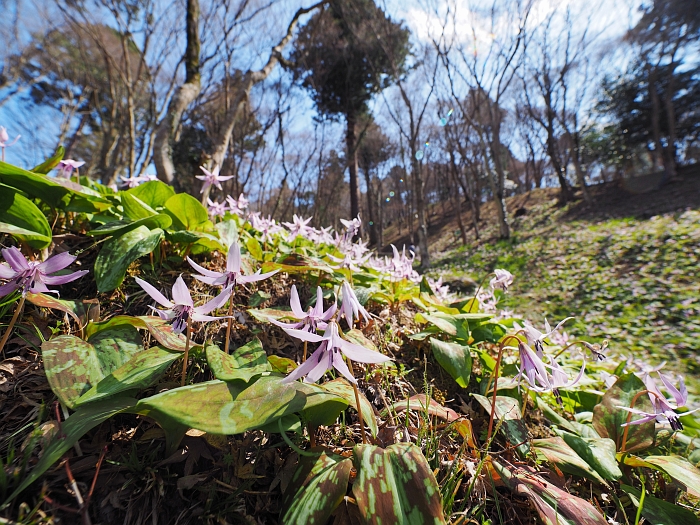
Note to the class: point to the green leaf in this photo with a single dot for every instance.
(513, 427)
(140, 372)
(116, 346)
(220, 407)
(21, 218)
(555, 450)
(608, 419)
(154, 193)
(187, 212)
(72, 367)
(51, 162)
(554, 505)
(118, 228)
(598, 453)
(258, 298)
(159, 329)
(660, 512)
(297, 263)
(228, 234)
(118, 253)
(344, 389)
(680, 469)
(283, 365)
(134, 208)
(396, 485)
(72, 429)
(254, 248)
(455, 359)
(318, 486)
(246, 362)
(80, 311)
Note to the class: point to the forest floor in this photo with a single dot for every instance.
(626, 267)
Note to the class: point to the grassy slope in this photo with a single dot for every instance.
(625, 275)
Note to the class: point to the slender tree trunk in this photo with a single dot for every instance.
(422, 228)
(183, 97)
(671, 123)
(372, 226)
(351, 156)
(580, 172)
(659, 156)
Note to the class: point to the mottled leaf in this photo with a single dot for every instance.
(228, 233)
(254, 248)
(220, 407)
(118, 253)
(357, 337)
(265, 314)
(418, 403)
(599, 453)
(555, 450)
(72, 429)
(283, 365)
(296, 263)
(454, 358)
(245, 363)
(317, 488)
(554, 505)
(680, 469)
(513, 427)
(134, 208)
(136, 374)
(396, 485)
(344, 389)
(72, 367)
(80, 311)
(608, 420)
(160, 329)
(660, 512)
(116, 346)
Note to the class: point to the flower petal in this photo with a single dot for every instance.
(215, 303)
(181, 294)
(154, 293)
(361, 354)
(296, 304)
(57, 262)
(6, 272)
(305, 367)
(233, 259)
(256, 276)
(202, 270)
(341, 367)
(304, 336)
(63, 279)
(17, 261)
(7, 289)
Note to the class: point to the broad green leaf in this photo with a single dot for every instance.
(318, 486)
(116, 346)
(187, 212)
(72, 429)
(140, 372)
(598, 453)
(220, 407)
(276, 313)
(80, 311)
(283, 365)
(228, 234)
(660, 512)
(454, 358)
(680, 469)
(608, 419)
(21, 218)
(154, 193)
(396, 485)
(357, 337)
(118, 253)
(134, 208)
(258, 298)
(159, 329)
(51, 162)
(554, 505)
(513, 427)
(344, 389)
(118, 228)
(419, 403)
(246, 362)
(72, 367)
(296, 263)
(555, 450)
(254, 248)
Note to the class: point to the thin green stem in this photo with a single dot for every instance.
(638, 517)
(228, 325)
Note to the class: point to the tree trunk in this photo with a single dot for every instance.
(183, 97)
(422, 227)
(580, 172)
(656, 120)
(372, 225)
(351, 156)
(671, 123)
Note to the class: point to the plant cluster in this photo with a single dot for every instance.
(610, 445)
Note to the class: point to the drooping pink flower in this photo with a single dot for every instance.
(5, 141)
(66, 166)
(298, 227)
(212, 178)
(216, 209)
(350, 307)
(182, 307)
(330, 355)
(239, 205)
(232, 276)
(534, 370)
(311, 320)
(502, 280)
(267, 227)
(33, 276)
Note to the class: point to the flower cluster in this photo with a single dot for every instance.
(26, 276)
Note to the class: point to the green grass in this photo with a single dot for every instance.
(634, 282)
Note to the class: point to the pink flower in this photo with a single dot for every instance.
(267, 227)
(534, 370)
(311, 320)
(4, 141)
(330, 355)
(238, 206)
(298, 226)
(232, 276)
(216, 209)
(350, 307)
(502, 280)
(212, 178)
(32, 276)
(183, 307)
(66, 167)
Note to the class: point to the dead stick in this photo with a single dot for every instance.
(6, 336)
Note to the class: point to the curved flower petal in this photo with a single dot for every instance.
(341, 367)
(202, 270)
(63, 279)
(15, 258)
(6, 272)
(56, 263)
(303, 335)
(200, 318)
(233, 258)
(324, 364)
(318, 307)
(361, 354)
(216, 302)
(256, 276)
(7, 289)
(154, 293)
(181, 294)
(296, 304)
(213, 281)
(305, 367)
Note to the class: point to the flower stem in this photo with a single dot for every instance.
(629, 417)
(495, 385)
(359, 407)
(187, 355)
(306, 344)
(7, 333)
(228, 325)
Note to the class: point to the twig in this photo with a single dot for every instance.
(6, 336)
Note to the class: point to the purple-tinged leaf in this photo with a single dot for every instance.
(245, 363)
